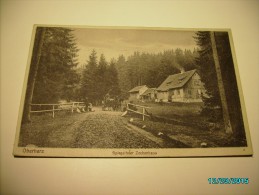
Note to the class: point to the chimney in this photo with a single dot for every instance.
(182, 70)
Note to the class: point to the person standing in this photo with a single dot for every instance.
(86, 104)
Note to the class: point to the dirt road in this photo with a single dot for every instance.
(107, 129)
(98, 129)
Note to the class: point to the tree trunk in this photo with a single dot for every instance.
(227, 123)
(35, 60)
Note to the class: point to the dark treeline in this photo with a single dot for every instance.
(209, 78)
(56, 76)
(118, 76)
(98, 79)
(152, 69)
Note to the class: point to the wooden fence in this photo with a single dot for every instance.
(143, 110)
(56, 107)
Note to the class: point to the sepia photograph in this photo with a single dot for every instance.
(131, 92)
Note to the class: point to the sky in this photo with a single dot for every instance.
(114, 42)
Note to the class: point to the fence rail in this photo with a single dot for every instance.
(143, 109)
(58, 107)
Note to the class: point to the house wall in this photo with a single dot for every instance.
(190, 93)
(193, 89)
(176, 95)
(146, 97)
(133, 96)
(137, 95)
(162, 96)
(150, 96)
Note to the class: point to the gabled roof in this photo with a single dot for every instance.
(136, 89)
(149, 90)
(176, 81)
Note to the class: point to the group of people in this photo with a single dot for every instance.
(113, 103)
(108, 103)
(88, 106)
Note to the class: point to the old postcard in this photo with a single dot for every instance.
(131, 92)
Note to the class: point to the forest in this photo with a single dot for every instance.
(60, 77)
(118, 76)
(56, 75)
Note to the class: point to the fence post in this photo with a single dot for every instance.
(53, 111)
(30, 110)
(143, 111)
(72, 107)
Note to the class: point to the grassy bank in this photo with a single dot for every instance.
(183, 122)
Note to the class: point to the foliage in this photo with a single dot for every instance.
(123, 78)
(212, 102)
(113, 80)
(152, 69)
(88, 83)
(99, 79)
(213, 108)
(56, 78)
(118, 77)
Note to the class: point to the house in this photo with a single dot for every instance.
(182, 87)
(149, 94)
(136, 92)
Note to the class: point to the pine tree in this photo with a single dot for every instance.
(212, 102)
(123, 78)
(209, 78)
(113, 81)
(189, 62)
(102, 78)
(53, 59)
(58, 59)
(89, 79)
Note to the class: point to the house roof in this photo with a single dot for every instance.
(176, 80)
(148, 91)
(136, 89)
